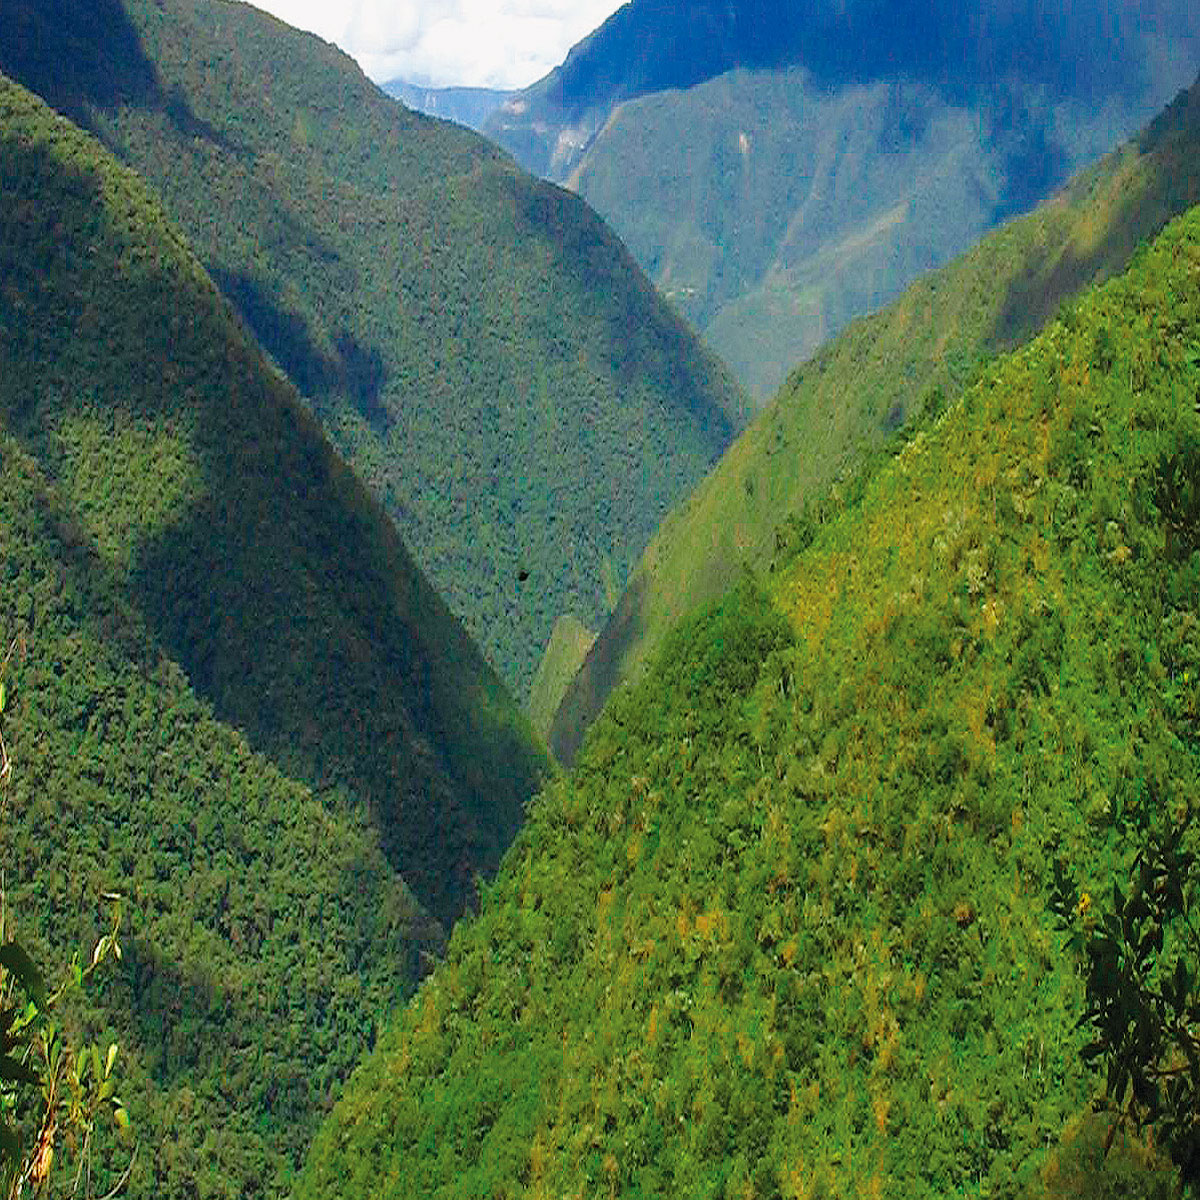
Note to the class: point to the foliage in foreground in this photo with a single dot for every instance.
(52, 1093)
(784, 931)
(1143, 999)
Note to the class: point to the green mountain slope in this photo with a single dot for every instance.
(165, 499)
(478, 344)
(783, 932)
(781, 167)
(263, 566)
(772, 211)
(882, 372)
(265, 934)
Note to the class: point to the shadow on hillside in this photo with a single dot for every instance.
(1036, 296)
(1167, 185)
(600, 673)
(83, 57)
(355, 370)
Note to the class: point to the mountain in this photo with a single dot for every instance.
(232, 697)
(469, 106)
(785, 930)
(266, 570)
(884, 371)
(477, 344)
(781, 169)
(648, 46)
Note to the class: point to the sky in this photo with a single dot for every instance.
(482, 43)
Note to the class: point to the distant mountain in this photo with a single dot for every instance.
(879, 374)
(1088, 51)
(469, 106)
(789, 930)
(478, 344)
(780, 169)
(233, 699)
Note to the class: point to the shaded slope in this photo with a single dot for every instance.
(477, 344)
(883, 371)
(783, 932)
(259, 561)
(163, 493)
(265, 935)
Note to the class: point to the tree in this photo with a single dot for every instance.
(1142, 991)
(52, 1093)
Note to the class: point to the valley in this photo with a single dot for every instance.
(517, 760)
(779, 170)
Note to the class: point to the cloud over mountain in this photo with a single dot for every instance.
(479, 42)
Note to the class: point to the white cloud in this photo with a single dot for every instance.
(486, 43)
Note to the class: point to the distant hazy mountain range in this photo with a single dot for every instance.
(470, 106)
(781, 168)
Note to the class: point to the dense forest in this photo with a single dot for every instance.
(787, 929)
(876, 876)
(884, 372)
(780, 167)
(231, 697)
(478, 345)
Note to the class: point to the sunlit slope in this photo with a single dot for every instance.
(480, 347)
(881, 373)
(783, 931)
(164, 499)
(259, 561)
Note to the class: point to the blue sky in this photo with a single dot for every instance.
(487, 43)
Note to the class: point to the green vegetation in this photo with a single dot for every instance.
(258, 560)
(480, 348)
(1143, 1005)
(773, 210)
(53, 1095)
(232, 698)
(565, 652)
(787, 929)
(886, 372)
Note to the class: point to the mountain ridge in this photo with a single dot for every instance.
(477, 344)
(923, 348)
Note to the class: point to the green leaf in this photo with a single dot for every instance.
(18, 964)
(1182, 983)
(112, 1058)
(12, 1070)
(10, 1148)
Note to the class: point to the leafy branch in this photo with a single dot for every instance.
(50, 1092)
(1142, 992)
